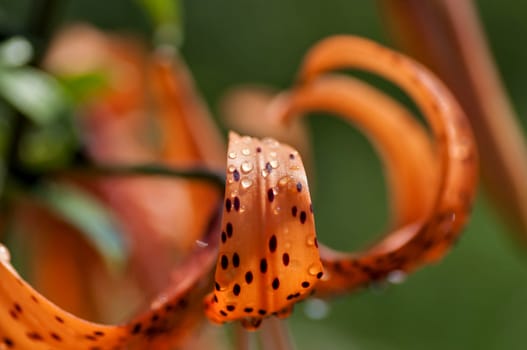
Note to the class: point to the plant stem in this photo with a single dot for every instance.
(196, 173)
(42, 22)
(242, 338)
(275, 335)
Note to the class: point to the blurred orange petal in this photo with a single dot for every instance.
(246, 110)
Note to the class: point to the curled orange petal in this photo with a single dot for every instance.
(427, 238)
(401, 141)
(30, 321)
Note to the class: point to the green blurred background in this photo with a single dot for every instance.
(476, 298)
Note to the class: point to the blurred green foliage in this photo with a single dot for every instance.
(474, 299)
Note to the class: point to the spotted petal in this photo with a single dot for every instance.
(268, 255)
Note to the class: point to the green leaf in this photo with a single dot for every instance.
(82, 87)
(51, 146)
(15, 51)
(89, 216)
(167, 16)
(34, 93)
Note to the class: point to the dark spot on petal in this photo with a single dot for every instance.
(262, 312)
(263, 266)
(231, 308)
(236, 289)
(294, 210)
(270, 195)
(223, 237)
(249, 277)
(299, 187)
(258, 149)
(305, 284)
(290, 296)
(276, 283)
(100, 334)
(137, 328)
(320, 274)
(236, 175)
(229, 229)
(223, 313)
(303, 217)
(217, 286)
(235, 260)
(18, 308)
(311, 207)
(272, 244)
(285, 259)
(215, 298)
(224, 262)
(291, 156)
(59, 319)
(228, 205)
(182, 304)
(9, 342)
(236, 203)
(316, 242)
(268, 167)
(34, 336)
(56, 336)
(248, 310)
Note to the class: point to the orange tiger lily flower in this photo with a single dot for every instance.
(266, 249)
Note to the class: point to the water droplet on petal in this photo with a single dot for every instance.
(265, 173)
(246, 139)
(158, 302)
(5, 256)
(274, 163)
(247, 167)
(246, 183)
(313, 269)
(396, 277)
(272, 154)
(316, 309)
(231, 168)
(270, 142)
(283, 181)
(277, 210)
(246, 151)
(232, 155)
(201, 244)
(310, 241)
